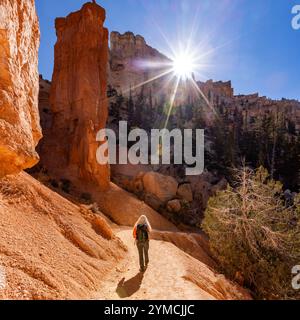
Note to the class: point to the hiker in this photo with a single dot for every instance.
(141, 232)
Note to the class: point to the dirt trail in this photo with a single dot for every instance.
(166, 277)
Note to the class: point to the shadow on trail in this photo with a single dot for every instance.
(127, 288)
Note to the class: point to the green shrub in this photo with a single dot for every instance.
(253, 233)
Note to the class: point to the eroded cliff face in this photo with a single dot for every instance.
(133, 63)
(19, 117)
(135, 70)
(78, 96)
(253, 107)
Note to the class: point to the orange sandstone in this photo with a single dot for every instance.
(78, 96)
(19, 117)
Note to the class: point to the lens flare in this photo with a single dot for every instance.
(183, 66)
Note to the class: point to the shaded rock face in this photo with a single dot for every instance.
(78, 97)
(185, 192)
(44, 106)
(174, 206)
(19, 117)
(163, 187)
(132, 63)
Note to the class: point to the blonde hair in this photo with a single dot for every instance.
(143, 220)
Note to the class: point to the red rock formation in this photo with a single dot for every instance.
(19, 118)
(132, 63)
(219, 88)
(163, 187)
(253, 106)
(44, 107)
(78, 96)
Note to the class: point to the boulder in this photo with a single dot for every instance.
(185, 192)
(174, 206)
(153, 201)
(138, 186)
(20, 130)
(163, 187)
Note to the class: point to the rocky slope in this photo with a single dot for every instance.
(19, 118)
(51, 248)
(78, 97)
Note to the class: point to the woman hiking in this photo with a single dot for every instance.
(141, 232)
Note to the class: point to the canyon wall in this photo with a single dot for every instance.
(78, 94)
(253, 106)
(128, 67)
(19, 117)
(132, 63)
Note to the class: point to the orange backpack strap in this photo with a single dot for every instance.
(134, 232)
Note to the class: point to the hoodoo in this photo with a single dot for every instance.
(78, 96)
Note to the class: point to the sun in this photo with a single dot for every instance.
(183, 66)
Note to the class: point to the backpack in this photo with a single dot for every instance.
(142, 232)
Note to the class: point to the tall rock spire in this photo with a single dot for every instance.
(78, 95)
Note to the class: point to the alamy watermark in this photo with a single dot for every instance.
(296, 17)
(187, 147)
(2, 278)
(296, 278)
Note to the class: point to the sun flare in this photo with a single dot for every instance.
(183, 66)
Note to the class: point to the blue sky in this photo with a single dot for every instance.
(250, 42)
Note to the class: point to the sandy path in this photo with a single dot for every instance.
(162, 280)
